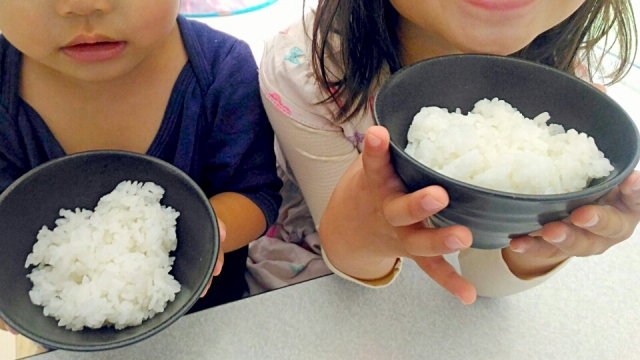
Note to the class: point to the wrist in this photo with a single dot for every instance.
(527, 267)
(362, 268)
(355, 263)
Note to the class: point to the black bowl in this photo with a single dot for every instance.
(459, 81)
(79, 181)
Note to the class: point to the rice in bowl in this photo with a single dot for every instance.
(110, 265)
(496, 147)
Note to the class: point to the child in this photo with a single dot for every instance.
(318, 80)
(133, 75)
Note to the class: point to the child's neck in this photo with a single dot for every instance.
(123, 113)
(417, 44)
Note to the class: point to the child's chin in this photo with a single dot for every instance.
(498, 45)
(98, 72)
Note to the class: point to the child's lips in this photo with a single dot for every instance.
(94, 51)
(500, 5)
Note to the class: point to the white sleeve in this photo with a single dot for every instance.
(489, 273)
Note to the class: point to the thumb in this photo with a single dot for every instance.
(222, 230)
(376, 160)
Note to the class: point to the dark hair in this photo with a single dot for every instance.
(367, 46)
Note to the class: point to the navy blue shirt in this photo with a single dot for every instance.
(214, 129)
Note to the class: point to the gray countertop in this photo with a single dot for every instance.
(590, 310)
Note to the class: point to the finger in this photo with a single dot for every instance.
(222, 230)
(219, 263)
(446, 276)
(413, 208)
(206, 289)
(630, 192)
(216, 271)
(535, 247)
(574, 241)
(419, 241)
(376, 160)
(605, 221)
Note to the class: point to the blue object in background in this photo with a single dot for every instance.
(213, 8)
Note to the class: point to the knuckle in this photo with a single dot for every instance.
(388, 214)
(408, 244)
(433, 264)
(575, 243)
(554, 253)
(415, 209)
(615, 227)
(613, 232)
(597, 250)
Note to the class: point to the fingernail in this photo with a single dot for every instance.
(536, 233)
(559, 239)
(430, 204)
(453, 243)
(519, 248)
(462, 299)
(592, 222)
(636, 185)
(374, 141)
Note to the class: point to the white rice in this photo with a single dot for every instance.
(496, 147)
(109, 266)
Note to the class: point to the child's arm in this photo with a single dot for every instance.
(241, 146)
(243, 219)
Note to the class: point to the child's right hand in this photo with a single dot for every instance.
(370, 221)
(218, 268)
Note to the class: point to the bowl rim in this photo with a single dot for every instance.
(586, 192)
(174, 317)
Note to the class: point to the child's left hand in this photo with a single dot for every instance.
(590, 230)
(218, 268)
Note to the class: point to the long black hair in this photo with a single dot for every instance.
(369, 44)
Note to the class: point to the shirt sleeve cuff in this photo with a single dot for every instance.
(376, 283)
(489, 273)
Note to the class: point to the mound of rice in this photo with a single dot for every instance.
(109, 266)
(496, 147)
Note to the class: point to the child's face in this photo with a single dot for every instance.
(498, 27)
(123, 32)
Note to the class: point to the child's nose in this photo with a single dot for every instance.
(83, 7)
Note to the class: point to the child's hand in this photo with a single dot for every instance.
(370, 221)
(218, 268)
(591, 229)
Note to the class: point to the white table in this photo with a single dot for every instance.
(590, 310)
